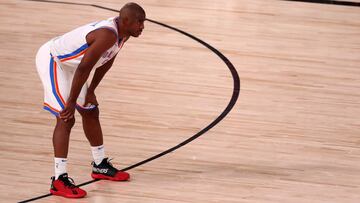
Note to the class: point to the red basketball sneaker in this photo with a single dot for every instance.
(105, 170)
(65, 186)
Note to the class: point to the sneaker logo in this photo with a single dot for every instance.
(100, 170)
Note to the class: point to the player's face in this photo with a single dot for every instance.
(137, 25)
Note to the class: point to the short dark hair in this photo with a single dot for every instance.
(132, 8)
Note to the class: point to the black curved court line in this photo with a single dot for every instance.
(234, 97)
(333, 2)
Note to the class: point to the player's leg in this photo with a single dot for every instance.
(52, 80)
(91, 126)
(102, 168)
(61, 144)
(61, 137)
(61, 184)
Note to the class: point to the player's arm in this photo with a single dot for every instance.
(99, 41)
(99, 74)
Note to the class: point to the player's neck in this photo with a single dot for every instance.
(122, 34)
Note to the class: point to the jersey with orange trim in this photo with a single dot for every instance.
(69, 49)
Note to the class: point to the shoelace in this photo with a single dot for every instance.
(110, 164)
(108, 161)
(69, 182)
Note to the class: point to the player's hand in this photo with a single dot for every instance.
(90, 99)
(68, 112)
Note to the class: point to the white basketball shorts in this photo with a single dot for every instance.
(57, 82)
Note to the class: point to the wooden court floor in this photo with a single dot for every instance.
(293, 135)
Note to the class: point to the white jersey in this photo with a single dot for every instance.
(57, 60)
(69, 49)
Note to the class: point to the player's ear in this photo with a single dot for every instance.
(125, 21)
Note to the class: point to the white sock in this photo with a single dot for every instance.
(60, 166)
(98, 153)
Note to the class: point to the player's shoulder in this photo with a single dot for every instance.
(101, 34)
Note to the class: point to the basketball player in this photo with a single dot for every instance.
(64, 64)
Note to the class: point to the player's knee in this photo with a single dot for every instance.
(68, 124)
(71, 122)
(90, 114)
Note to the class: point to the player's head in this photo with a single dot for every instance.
(132, 18)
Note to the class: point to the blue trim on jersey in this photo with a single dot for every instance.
(51, 111)
(83, 47)
(52, 77)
